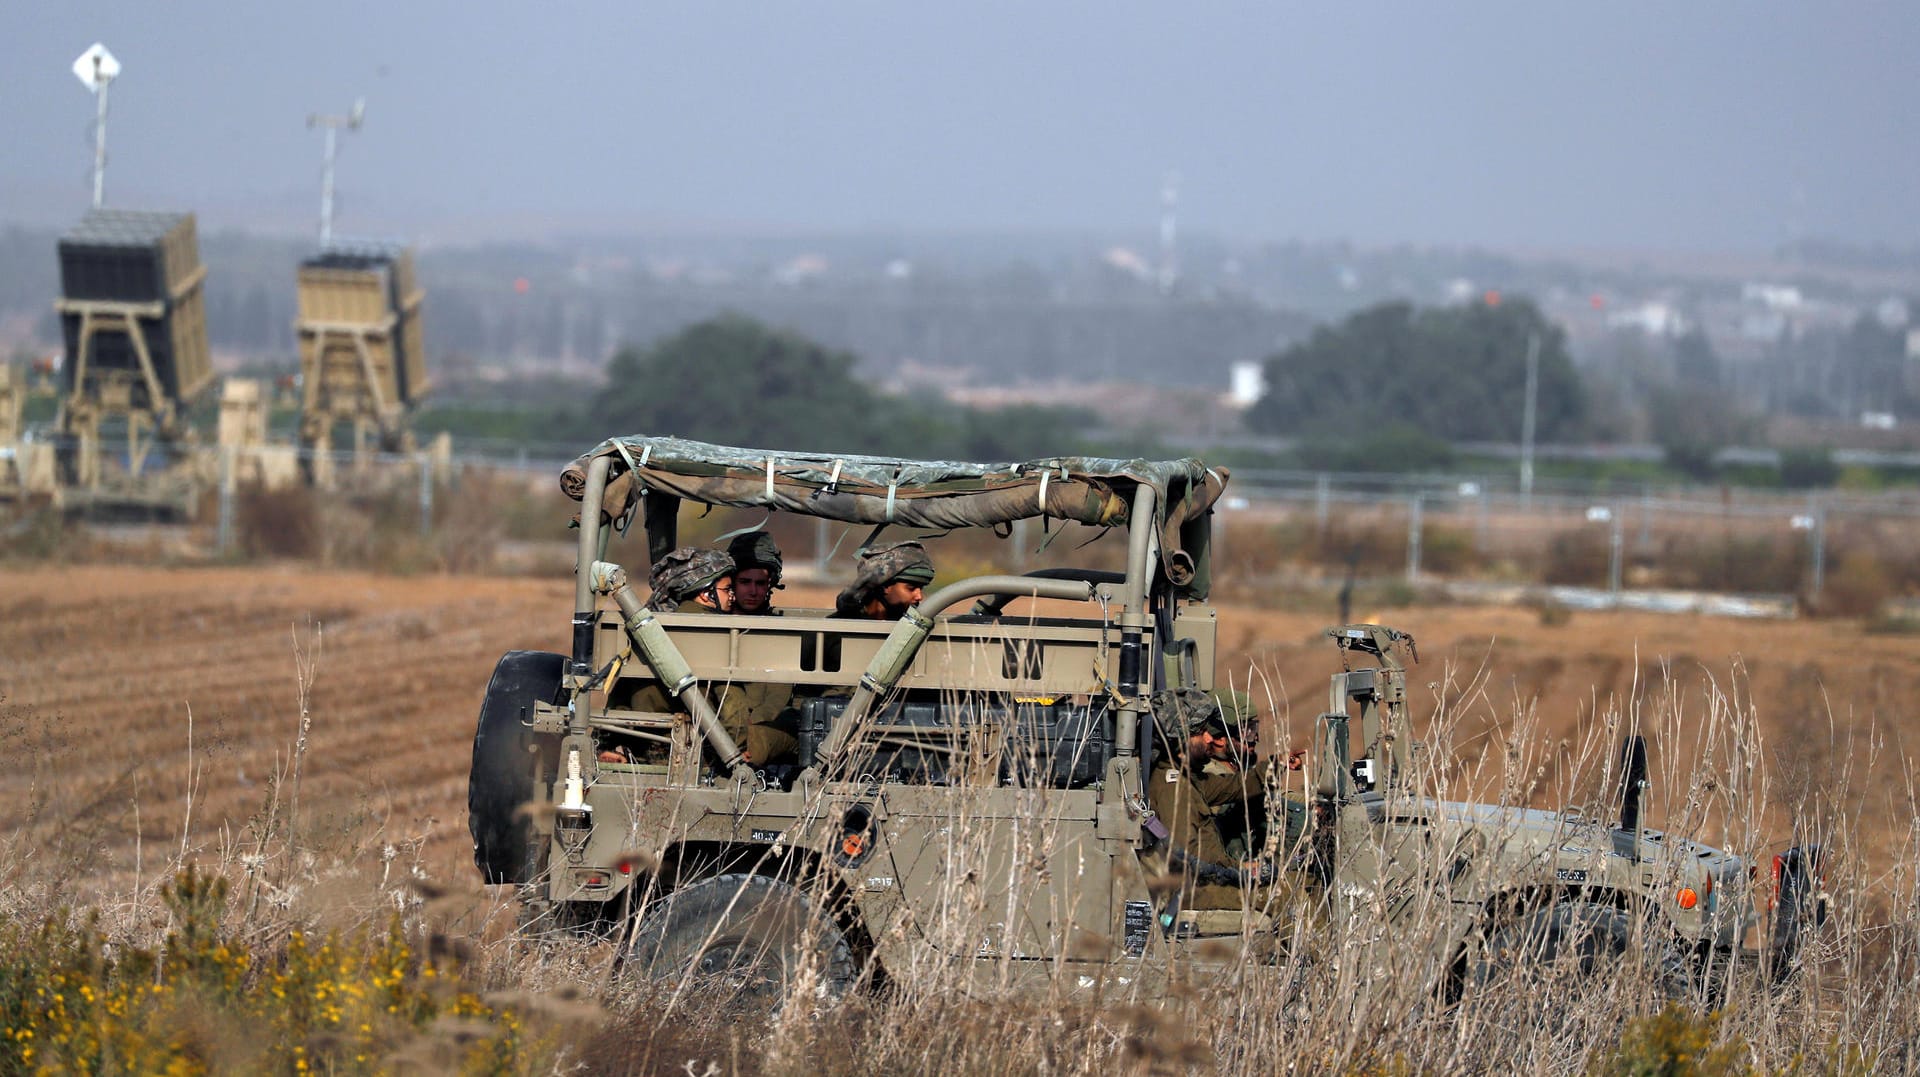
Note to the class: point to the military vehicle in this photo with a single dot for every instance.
(132, 312)
(967, 790)
(26, 467)
(362, 351)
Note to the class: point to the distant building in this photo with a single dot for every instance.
(1779, 297)
(800, 270)
(1128, 262)
(1249, 383)
(1892, 312)
(1653, 318)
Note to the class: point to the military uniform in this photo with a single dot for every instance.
(1186, 802)
(751, 713)
(746, 711)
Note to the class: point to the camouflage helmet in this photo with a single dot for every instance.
(881, 565)
(756, 549)
(1184, 710)
(685, 573)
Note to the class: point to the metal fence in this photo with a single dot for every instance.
(1631, 521)
(1487, 520)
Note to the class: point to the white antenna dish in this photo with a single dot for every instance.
(96, 67)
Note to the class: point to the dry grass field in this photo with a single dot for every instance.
(151, 718)
(105, 674)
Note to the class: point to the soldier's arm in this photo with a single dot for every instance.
(1247, 785)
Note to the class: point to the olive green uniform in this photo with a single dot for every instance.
(751, 712)
(1186, 802)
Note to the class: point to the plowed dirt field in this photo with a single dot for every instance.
(116, 684)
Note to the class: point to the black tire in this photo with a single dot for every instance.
(744, 939)
(1563, 945)
(502, 779)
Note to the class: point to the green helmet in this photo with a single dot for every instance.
(756, 549)
(1234, 707)
(881, 565)
(685, 573)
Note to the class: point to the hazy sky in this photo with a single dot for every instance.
(1676, 125)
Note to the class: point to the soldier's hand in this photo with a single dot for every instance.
(1258, 872)
(1296, 759)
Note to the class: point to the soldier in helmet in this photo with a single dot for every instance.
(1187, 800)
(756, 560)
(760, 709)
(693, 580)
(691, 574)
(1238, 822)
(889, 580)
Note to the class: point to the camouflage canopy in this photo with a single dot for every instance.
(936, 494)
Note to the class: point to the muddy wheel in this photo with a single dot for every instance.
(1563, 947)
(745, 941)
(502, 777)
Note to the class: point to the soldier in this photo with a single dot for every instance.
(756, 574)
(1186, 799)
(693, 580)
(1287, 818)
(704, 577)
(889, 580)
(757, 707)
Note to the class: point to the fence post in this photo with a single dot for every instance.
(1616, 539)
(1322, 493)
(1646, 517)
(1413, 539)
(426, 494)
(820, 547)
(1480, 521)
(1819, 548)
(1019, 539)
(224, 539)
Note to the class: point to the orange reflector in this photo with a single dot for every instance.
(852, 844)
(1688, 899)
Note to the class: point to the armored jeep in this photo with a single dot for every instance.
(968, 786)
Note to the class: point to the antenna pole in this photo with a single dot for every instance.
(326, 188)
(96, 69)
(332, 125)
(1169, 234)
(100, 142)
(1527, 417)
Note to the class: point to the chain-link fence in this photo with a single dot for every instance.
(475, 510)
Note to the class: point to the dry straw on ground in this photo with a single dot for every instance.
(103, 667)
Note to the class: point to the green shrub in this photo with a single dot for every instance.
(1673, 1043)
(72, 1003)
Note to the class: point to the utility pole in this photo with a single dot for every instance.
(332, 125)
(96, 69)
(1169, 233)
(1527, 417)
